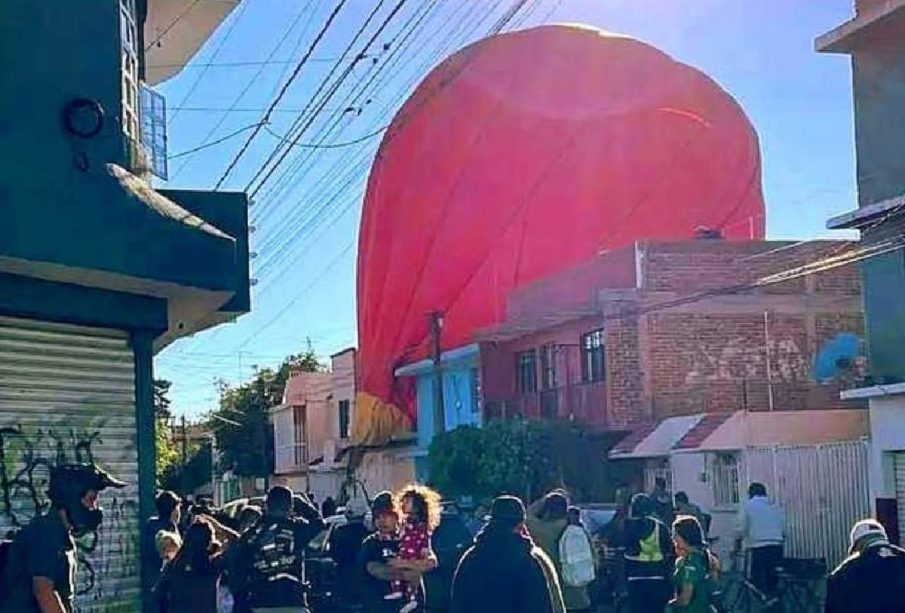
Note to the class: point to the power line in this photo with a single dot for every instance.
(441, 51)
(298, 296)
(283, 183)
(282, 92)
(301, 130)
(212, 143)
(340, 145)
(238, 98)
(242, 64)
(281, 253)
(319, 89)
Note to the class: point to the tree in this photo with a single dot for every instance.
(162, 398)
(526, 458)
(241, 423)
(195, 473)
(166, 455)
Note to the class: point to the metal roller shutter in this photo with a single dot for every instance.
(67, 394)
(900, 492)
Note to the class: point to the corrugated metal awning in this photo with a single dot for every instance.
(660, 440)
(767, 428)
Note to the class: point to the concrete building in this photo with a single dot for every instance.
(311, 429)
(875, 39)
(460, 370)
(98, 270)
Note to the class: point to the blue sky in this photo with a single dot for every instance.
(306, 221)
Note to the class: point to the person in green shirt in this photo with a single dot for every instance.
(694, 566)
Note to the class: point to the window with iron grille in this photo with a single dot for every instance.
(298, 423)
(724, 479)
(592, 356)
(343, 419)
(657, 469)
(526, 372)
(129, 38)
(548, 366)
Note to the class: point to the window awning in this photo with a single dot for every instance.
(655, 441)
(758, 429)
(741, 430)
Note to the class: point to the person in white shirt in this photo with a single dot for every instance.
(761, 530)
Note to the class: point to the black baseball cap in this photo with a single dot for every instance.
(383, 503)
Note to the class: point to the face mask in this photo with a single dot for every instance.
(83, 519)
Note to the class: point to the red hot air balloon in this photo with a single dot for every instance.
(522, 155)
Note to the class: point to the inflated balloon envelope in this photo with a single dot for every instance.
(520, 156)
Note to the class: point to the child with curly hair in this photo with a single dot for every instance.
(421, 510)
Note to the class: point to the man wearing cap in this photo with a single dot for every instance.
(872, 578)
(377, 555)
(504, 571)
(43, 580)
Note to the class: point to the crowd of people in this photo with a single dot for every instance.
(537, 558)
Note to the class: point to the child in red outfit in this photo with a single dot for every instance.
(421, 507)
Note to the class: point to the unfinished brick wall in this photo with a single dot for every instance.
(624, 373)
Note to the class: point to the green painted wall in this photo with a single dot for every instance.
(58, 202)
(65, 303)
(229, 212)
(879, 96)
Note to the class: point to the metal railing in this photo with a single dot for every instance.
(582, 402)
(290, 457)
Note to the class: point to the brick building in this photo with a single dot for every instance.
(665, 329)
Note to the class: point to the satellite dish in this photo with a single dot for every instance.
(838, 357)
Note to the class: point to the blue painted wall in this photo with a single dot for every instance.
(462, 406)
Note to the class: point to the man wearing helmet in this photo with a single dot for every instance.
(45, 574)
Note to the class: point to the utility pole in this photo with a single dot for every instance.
(185, 458)
(436, 327)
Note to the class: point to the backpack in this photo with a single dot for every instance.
(576, 557)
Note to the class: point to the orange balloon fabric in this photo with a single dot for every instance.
(519, 156)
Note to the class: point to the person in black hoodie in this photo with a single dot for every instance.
(504, 571)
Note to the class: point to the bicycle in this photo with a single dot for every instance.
(737, 594)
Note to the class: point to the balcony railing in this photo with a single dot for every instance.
(290, 458)
(583, 402)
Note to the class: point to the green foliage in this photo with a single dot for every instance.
(241, 423)
(194, 474)
(162, 398)
(166, 455)
(521, 457)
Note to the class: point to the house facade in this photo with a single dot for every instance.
(713, 362)
(98, 270)
(311, 429)
(875, 40)
(658, 330)
(461, 404)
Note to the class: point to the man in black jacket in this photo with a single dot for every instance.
(872, 578)
(270, 557)
(504, 571)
